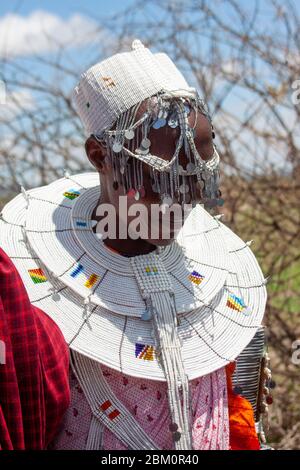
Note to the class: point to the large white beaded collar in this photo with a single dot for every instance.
(99, 298)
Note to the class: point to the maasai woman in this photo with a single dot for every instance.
(155, 297)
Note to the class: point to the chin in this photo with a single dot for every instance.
(162, 242)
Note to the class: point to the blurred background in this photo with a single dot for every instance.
(244, 58)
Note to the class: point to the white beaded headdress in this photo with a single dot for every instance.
(108, 97)
(113, 86)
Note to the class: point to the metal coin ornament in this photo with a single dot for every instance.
(167, 200)
(205, 175)
(180, 170)
(184, 188)
(145, 143)
(142, 151)
(190, 168)
(129, 134)
(117, 147)
(173, 123)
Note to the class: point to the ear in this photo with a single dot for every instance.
(96, 153)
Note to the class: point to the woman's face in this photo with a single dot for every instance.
(163, 144)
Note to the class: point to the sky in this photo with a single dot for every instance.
(25, 25)
(63, 8)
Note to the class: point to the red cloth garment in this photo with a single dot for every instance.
(34, 384)
(242, 434)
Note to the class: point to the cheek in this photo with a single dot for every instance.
(143, 203)
(163, 141)
(197, 189)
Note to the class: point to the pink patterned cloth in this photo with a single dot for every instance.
(147, 400)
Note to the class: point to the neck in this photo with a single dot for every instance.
(130, 247)
(126, 247)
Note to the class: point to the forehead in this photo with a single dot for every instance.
(164, 137)
(154, 105)
(163, 128)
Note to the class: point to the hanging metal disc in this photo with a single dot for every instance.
(190, 168)
(117, 147)
(129, 134)
(146, 143)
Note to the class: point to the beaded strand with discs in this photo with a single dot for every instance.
(157, 290)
